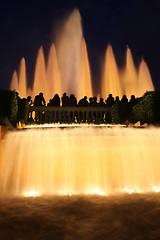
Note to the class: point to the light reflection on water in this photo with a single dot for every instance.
(93, 217)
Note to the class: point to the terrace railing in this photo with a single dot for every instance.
(43, 114)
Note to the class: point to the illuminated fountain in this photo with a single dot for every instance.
(144, 74)
(127, 80)
(86, 159)
(53, 74)
(130, 76)
(68, 69)
(40, 83)
(85, 84)
(111, 80)
(22, 79)
(14, 82)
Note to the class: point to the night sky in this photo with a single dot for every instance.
(26, 25)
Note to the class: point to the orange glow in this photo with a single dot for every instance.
(127, 80)
(111, 81)
(68, 69)
(96, 192)
(156, 189)
(53, 74)
(68, 46)
(144, 79)
(130, 76)
(65, 193)
(130, 191)
(40, 83)
(14, 82)
(85, 82)
(32, 193)
(22, 79)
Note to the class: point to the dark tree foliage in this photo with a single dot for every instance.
(9, 105)
(120, 112)
(23, 110)
(148, 109)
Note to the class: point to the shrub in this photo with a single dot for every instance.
(23, 109)
(9, 105)
(147, 110)
(120, 112)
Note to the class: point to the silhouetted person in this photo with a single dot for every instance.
(101, 103)
(73, 100)
(55, 101)
(94, 101)
(65, 100)
(39, 100)
(91, 101)
(117, 99)
(83, 102)
(110, 100)
(133, 101)
(124, 99)
(50, 103)
(30, 102)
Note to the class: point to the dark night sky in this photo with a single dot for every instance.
(26, 25)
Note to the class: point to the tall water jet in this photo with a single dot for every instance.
(14, 82)
(85, 81)
(144, 79)
(110, 80)
(53, 74)
(22, 79)
(130, 76)
(40, 83)
(68, 46)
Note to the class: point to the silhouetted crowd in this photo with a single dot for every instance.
(72, 101)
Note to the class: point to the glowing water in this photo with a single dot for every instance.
(111, 81)
(40, 83)
(144, 79)
(14, 82)
(22, 79)
(53, 74)
(130, 76)
(85, 83)
(128, 80)
(68, 53)
(68, 69)
(80, 160)
(20, 85)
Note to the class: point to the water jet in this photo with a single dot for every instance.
(68, 69)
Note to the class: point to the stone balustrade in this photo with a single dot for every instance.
(43, 114)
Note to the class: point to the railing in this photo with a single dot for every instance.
(44, 114)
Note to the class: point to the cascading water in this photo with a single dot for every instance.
(80, 160)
